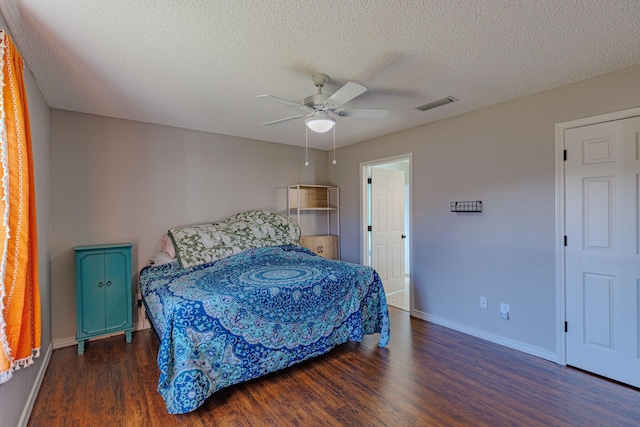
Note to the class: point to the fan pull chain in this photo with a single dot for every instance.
(334, 145)
(306, 146)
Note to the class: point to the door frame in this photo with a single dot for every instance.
(560, 129)
(363, 212)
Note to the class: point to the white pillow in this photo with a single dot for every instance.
(160, 258)
(167, 246)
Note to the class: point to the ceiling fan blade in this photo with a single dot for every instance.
(365, 113)
(346, 93)
(281, 100)
(286, 119)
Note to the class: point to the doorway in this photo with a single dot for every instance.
(599, 258)
(386, 222)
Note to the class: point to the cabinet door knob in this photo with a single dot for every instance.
(100, 284)
(109, 283)
(403, 236)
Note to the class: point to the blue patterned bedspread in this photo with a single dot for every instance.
(256, 312)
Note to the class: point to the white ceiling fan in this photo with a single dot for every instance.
(318, 107)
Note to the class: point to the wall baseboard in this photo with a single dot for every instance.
(33, 394)
(71, 341)
(64, 342)
(497, 339)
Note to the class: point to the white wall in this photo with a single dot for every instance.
(123, 181)
(503, 155)
(17, 395)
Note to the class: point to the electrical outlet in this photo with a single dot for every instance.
(504, 311)
(483, 302)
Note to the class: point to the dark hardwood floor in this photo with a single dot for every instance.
(427, 376)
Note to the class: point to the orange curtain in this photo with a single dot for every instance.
(20, 324)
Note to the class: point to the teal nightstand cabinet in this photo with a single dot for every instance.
(103, 291)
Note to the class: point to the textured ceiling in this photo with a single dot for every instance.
(201, 64)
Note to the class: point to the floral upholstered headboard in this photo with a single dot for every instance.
(203, 243)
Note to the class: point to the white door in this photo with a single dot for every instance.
(602, 184)
(387, 222)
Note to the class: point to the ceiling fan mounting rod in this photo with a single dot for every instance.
(319, 80)
(317, 101)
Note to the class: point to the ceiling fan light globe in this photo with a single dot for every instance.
(320, 124)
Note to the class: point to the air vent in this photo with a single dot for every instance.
(437, 103)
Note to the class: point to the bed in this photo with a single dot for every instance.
(243, 299)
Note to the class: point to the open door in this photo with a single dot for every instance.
(387, 227)
(602, 261)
